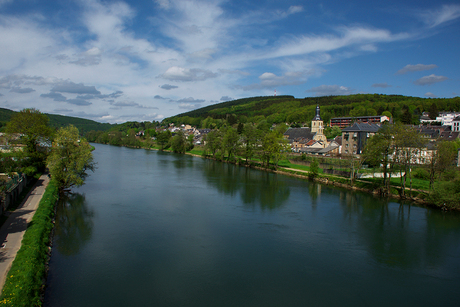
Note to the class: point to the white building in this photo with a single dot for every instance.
(456, 124)
(446, 118)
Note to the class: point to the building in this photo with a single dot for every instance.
(354, 137)
(446, 118)
(456, 124)
(302, 138)
(317, 127)
(343, 122)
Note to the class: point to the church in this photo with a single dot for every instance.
(308, 139)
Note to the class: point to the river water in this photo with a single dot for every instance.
(159, 229)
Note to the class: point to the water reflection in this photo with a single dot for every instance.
(255, 188)
(396, 236)
(74, 224)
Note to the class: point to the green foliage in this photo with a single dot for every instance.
(433, 110)
(25, 278)
(287, 109)
(230, 142)
(36, 134)
(421, 173)
(163, 138)
(70, 158)
(446, 194)
(314, 169)
(213, 142)
(179, 142)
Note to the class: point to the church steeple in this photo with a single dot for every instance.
(317, 116)
(317, 128)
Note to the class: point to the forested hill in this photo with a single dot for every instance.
(83, 125)
(292, 110)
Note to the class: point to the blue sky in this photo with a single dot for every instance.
(145, 60)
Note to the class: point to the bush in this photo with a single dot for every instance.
(421, 173)
(446, 194)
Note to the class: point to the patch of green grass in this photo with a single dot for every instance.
(288, 164)
(196, 151)
(25, 278)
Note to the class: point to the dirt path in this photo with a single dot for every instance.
(13, 229)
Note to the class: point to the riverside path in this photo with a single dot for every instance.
(15, 226)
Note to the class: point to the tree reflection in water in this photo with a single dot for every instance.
(256, 188)
(74, 223)
(400, 235)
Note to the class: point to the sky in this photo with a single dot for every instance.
(144, 60)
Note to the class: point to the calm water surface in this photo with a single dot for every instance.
(160, 229)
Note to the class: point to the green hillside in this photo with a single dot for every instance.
(292, 110)
(83, 125)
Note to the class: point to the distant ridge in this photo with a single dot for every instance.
(57, 121)
(288, 109)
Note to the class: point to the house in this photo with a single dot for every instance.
(456, 124)
(343, 122)
(446, 118)
(354, 137)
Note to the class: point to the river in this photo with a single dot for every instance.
(160, 229)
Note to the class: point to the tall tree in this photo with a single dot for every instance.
(378, 151)
(163, 138)
(408, 143)
(213, 142)
(35, 130)
(274, 146)
(179, 142)
(250, 141)
(434, 112)
(70, 158)
(231, 142)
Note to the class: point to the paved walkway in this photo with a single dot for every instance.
(13, 229)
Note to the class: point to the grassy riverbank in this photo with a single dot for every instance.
(25, 280)
(419, 193)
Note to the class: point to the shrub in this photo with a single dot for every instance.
(421, 173)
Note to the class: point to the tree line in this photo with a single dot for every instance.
(287, 109)
(34, 146)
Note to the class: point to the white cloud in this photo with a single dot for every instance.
(327, 90)
(176, 73)
(413, 68)
(347, 37)
(447, 13)
(189, 106)
(431, 95)
(295, 9)
(431, 79)
(270, 80)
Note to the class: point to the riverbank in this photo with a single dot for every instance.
(417, 196)
(341, 182)
(33, 223)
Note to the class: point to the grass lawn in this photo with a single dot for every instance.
(288, 164)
